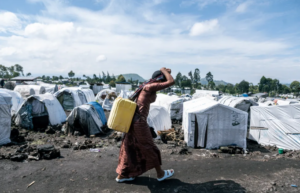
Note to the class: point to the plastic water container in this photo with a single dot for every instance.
(121, 115)
(280, 151)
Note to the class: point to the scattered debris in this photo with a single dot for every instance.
(30, 184)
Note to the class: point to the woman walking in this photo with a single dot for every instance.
(138, 152)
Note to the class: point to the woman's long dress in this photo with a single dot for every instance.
(138, 152)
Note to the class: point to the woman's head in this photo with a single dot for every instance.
(158, 73)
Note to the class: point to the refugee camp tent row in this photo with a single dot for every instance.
(159, 118)
(173, 104)
(241, 103)
(17, 100)
(97, 88)
(72, 97)
(88, 119)
(276, 125)
(5, 117)
(28, 90)
(207, 123)
(205, 93)
(39, 111)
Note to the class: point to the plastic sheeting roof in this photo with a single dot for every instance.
(224, 125)
(159, 118)
(28, 90)
(237, 102)
(276, 125)
(5, 117)
(17, 100)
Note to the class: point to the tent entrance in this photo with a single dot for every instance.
(40, 117)
(201, 128)
(66, 100)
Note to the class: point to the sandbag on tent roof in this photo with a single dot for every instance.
(71, 97)
(159, 118)
(173, 104)
(238, 102)
(28, 90)
(17, 100)
(5, 117)
(209, 124)
(39, 111)
(86, 120)
(276, 125)
(50, 88)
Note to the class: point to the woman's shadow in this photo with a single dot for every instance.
(177, 186)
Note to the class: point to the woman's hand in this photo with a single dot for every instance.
(165, 70)
(167, 73)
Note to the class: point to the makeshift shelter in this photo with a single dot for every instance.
(100, 111)
(86, 120)
(207, 123)
(104, 93)
(123, 94)
(5, 117)
(285, 102)
(39, 111)
(89, 94)
(173, 104)
(28, 90)
(97, 88)
(241, 103)
(50, 88)
(159, 118)
(72, 97)
(17, 100)
(276, 125)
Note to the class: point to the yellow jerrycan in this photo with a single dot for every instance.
(121, 115)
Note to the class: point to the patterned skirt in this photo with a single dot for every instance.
(138, 152)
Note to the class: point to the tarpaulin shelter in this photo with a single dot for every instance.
(207, 123)
(86, 120)
(106, 98)
(100, 111)
(97, 88)
(276, 125)
(50, 88)
(72, 97)
(39, 111)
(89, 94)
(205, 93)
(173, 104)
(5, 117)
(241, 103)
(28, 90)
(159, 118)
(126, 86)
(17, 100)
(285, 102)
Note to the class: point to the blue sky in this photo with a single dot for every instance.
(234, 39)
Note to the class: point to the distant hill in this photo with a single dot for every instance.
(217, 82)
(133, 77)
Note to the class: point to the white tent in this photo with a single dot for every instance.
(209, 124)
(241, 103)
(41, 109)
(104, 93)
(276, 125)
(50, 88)
(89, 94)
(17, 100)
(28, 90)
(159, 118)
(72, 97)
(173, 104)
(205, 93)
(123, 94)
(122, 86)
(266, 104)
(286, 102)
(5, 117)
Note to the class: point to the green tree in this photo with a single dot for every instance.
(112, 83)
(243, 86)
(178, 79)
(285, 89)
(197, 78)
(19, 69)
(103, 77)
(230, 89)
(295, 85)
(209, 77)
(121, 79)
(61, 77)
(28, 74)
(191, 78)
(71, 74)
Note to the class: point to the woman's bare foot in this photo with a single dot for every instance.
(121, 177)
(160, 174)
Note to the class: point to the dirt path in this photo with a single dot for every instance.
(84, 171)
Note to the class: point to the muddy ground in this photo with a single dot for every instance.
(77, 169)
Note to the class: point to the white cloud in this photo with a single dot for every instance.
(9, 21)
(203, 27)
(101, 58)
(242, 7)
